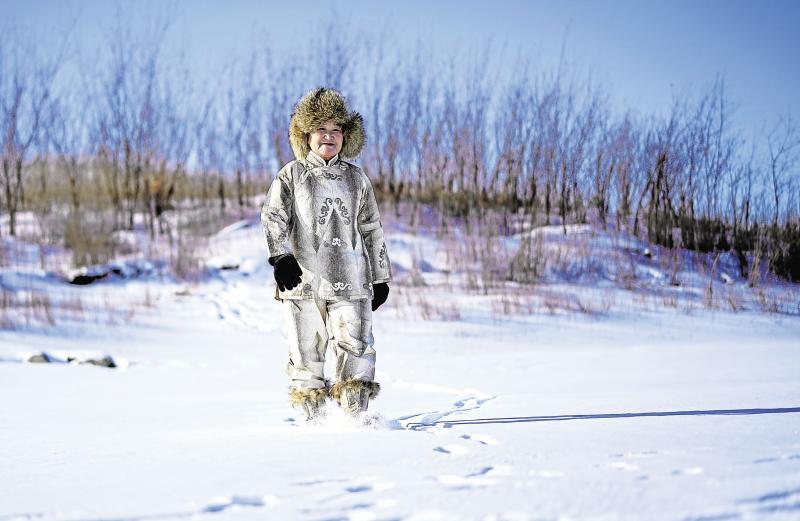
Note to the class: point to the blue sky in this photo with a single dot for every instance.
(641, 51)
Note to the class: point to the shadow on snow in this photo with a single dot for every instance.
(524, 419)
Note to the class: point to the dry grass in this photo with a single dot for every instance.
(769, 302)
(25, 307)
(415, 304)
(669, 299)
(672, 264)
(32, 308)
(708, 296)
(532, 278)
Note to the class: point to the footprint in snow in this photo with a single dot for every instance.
(484, 477)
(493, 470)
(453, 450)
(362, 511)
(233, 502)
(773, 459)
(462, 482)
(318, 482)
(636, 454)
(688, 471)
(483, 439)
(359, 489)
(621, 465)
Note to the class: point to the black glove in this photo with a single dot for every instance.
(381, 290)
(287, 272)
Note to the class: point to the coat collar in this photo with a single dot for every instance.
(315, 160)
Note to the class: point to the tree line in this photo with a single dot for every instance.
(496, 144)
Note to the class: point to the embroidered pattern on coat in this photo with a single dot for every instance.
(339, 286)
(325, 210)
(332, 175)
(336, 241)
(382, 256)
(343, 211)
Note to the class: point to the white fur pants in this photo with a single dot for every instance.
(313, 324)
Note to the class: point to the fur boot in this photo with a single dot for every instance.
(354, 395)
(311, 401)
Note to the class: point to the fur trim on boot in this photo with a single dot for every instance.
(319, 106)
(312, 401)
(354, 395)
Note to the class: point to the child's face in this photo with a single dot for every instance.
(326, 140)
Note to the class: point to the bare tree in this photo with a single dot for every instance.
(26, 82)
(66, 132)
(281, 92)
(783, 143)
(241, 124)
(127, 113)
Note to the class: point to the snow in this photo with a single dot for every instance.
(489, 410)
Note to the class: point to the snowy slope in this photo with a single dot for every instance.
(492, 415)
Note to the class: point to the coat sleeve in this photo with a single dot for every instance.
(276, 214)
(369, 225)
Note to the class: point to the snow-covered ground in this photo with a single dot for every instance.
(492, 409)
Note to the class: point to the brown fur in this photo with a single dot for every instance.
(317, 396)
(319, 106)
(339, 387)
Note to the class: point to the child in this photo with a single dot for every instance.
(325, 240)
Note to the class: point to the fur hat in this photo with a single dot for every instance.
(319, 106)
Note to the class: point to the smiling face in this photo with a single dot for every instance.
(326, 140)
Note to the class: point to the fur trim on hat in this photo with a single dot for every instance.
(319, 106)
(314, 396)
(339, 388)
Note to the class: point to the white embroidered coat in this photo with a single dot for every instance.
(325, 214)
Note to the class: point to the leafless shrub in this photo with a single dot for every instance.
(7, 305)
(627, 272)
(586, 305)
(708, 296)
(186, 262)
(669, 299)
(565, 301)
(128, 314)
(513, 303)
(734, 300)
(688, 305)
(529, 264)
(768, 302)
(36, 306)
(608, 300)
(73, 306)
(642, 300)
(89, 237)
(671, 262)
(419, 304)
(415, 277)
(754, 274)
